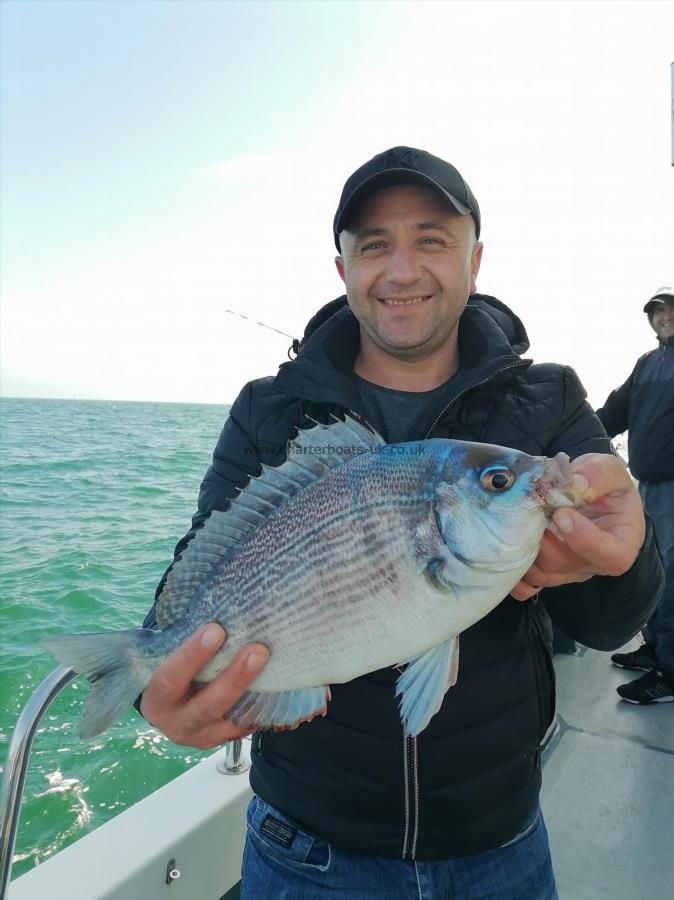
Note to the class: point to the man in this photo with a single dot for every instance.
(644, 406)
(349, 806)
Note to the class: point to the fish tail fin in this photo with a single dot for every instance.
(111, 664)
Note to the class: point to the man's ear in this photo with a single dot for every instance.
(339, 262)
(475, 261)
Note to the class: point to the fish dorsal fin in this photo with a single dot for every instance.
(313, 453)
(316, 450)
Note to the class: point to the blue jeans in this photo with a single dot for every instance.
(282, 862)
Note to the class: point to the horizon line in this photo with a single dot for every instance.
(114, 400)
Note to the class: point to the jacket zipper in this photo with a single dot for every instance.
(411, 795)
(415, 777)
(406, 794)
(471, 387)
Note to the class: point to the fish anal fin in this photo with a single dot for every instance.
(280, 711)
(425, 682)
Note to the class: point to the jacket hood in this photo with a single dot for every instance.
(510, 324)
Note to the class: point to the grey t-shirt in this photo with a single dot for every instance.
(398, 416)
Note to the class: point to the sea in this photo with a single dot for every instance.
(94, 496)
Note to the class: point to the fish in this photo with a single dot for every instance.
(351, 556)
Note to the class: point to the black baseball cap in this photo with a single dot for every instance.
(402, 165)
(661, 296)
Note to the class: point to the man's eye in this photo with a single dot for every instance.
(375, 245)
(431, 241)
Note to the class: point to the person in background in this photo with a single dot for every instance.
(644, 407)
(351, 807)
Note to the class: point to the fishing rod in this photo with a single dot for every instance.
(296, 343)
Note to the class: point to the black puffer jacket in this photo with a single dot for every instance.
(469, 780)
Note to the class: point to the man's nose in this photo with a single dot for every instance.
(404, 266)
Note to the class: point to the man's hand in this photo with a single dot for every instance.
(601, 538)
(193, 715)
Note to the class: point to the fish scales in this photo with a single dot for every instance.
(311, 549)
(303, 610)
(380, 558)
(294, 538)
(303, 598)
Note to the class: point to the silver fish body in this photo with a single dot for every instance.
(350, 557)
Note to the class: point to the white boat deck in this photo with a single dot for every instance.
(608, 786)
(608, 799)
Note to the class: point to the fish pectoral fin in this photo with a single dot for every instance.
(425, 682)
(281, 711)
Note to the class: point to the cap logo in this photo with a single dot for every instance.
(408, 158)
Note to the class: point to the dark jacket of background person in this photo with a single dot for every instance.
(467, 782)
(644, 406)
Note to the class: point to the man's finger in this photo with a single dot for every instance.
(535, 577)
(577, 578)
(217, 734)
(523, 591)
(607, 554)
(604, 475)
(173, 678)
(212, 703)
(554, 556)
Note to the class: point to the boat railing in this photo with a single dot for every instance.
(17, 764)
(14, 777)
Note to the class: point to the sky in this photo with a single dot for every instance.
(162, 162)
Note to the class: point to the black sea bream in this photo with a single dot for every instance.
(352, 556)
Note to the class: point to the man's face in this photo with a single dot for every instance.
(409, 263)
(663, 320)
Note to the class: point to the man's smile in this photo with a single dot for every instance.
(403, 301)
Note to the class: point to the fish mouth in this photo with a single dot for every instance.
(554, 486)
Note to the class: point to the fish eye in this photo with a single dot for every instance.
(497, 479)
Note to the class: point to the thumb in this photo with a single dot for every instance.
(604, 474)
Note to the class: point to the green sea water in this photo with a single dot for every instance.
(93, 498)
